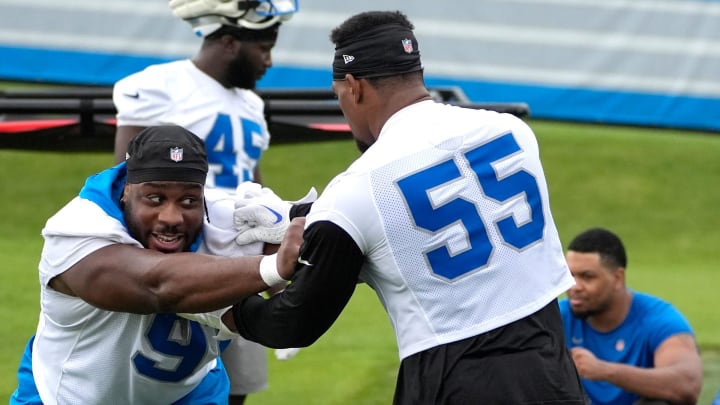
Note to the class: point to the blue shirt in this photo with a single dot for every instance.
(648, 324)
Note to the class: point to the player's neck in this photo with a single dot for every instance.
(614, 315)
(397, 101)
(210, 69)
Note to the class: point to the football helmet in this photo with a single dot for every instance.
(206, 16)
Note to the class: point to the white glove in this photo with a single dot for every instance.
(214, 320)
(286, 354)
(248, 189)
(260, 215)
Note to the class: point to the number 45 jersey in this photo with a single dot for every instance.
(231, 121)
(450, 209)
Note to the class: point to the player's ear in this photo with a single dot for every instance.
(355, 87)
(229, 43)
(619, 275)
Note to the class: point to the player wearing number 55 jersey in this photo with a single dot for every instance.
(446, 216)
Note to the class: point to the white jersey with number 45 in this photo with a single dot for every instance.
(231, 121)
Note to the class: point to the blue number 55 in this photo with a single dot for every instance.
(415, 187)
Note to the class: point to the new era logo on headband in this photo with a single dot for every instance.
(176, 154)
(348, 58)
(407, 45)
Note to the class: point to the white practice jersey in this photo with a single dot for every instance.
(86, 355)
(450, 208)
(231, 121)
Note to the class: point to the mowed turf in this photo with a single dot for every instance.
(656, 188)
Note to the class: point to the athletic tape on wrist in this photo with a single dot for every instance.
(268, 271)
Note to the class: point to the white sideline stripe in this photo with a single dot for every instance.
(560, 77)
(451, 30)
(157, 7)
(573, 78)
(671, 6)
(457, 31)
(425, 27)
(106, 45)
(144, 7)
(432, 67)
(548, 37)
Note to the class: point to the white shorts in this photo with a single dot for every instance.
(246, 365)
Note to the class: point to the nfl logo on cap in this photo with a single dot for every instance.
(176, 154)
(407, 45)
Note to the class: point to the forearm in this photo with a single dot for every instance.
(129, 279)
(213, 282)
(675, 384)
(317, 294)
(297, 317)
(209, 283)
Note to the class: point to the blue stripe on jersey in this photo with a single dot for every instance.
(105, 189)
(214, 389)
(26, 392)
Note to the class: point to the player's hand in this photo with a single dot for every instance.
(587, 364)
(260, 215)
(214, 319)
(289, 250)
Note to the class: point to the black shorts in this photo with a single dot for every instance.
(525, 362)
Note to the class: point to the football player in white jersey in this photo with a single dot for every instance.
(446, 215)
(212, 96)
(121, 292)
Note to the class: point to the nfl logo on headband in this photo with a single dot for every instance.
(176, 154)
(407, 45)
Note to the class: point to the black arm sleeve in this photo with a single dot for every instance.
(300, 210)
(319, 290)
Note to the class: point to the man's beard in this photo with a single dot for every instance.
(135, 230)
(241, 73)
(583, 315)
(132, 226)
(362, 146)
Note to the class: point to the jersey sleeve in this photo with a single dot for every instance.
(141, 99)
(77, 230)
(665, 321)
(347, 203)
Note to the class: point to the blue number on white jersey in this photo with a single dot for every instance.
(511, 186)
(414, 189)
(167, 338)
(221, 150)
(415, 192)
(250, 128)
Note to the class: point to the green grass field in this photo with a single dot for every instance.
(656, 188)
